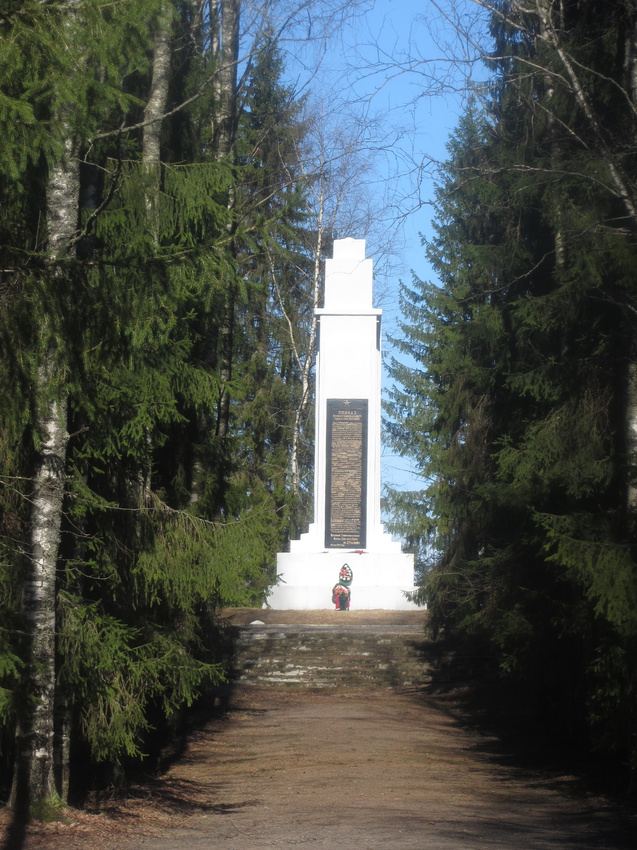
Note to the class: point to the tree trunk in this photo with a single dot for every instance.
(223, 17)
(158, 97)
(631, 439)
(34, 776)
(551, 35)
(62, 742)
(151, 164)
(631, 371)
(306, 364)
(225, 49)
(224, 126)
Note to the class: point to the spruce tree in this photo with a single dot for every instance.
(149, 384)
(518, 411)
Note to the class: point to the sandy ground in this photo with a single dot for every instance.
(365, 770)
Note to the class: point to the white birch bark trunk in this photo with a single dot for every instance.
(304, 354)
(151, 164)
(225, 48)
(158, 97)
(550, 15)
(34, 779)
(34, 776)
(224, 142)
(34, 771)
(307, 362)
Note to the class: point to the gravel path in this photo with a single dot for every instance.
(363, 770)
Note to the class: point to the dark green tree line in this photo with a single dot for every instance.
(149, 160)
(520, 406)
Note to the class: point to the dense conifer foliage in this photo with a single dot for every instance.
(516, 396)
(149, 174)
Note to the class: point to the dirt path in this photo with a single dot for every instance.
(363, 770)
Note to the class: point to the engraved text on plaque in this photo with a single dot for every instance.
(346, 491)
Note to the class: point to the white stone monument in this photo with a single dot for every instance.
(347, 530)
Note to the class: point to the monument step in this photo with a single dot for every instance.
(330, 656)
(325, 616)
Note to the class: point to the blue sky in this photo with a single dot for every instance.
(385, 68)
(389, 70)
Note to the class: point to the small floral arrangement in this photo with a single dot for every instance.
(341, 596)
(345, 575)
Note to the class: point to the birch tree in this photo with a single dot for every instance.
(70, 69)
(334, 164)
(34, 778)
(112, 280)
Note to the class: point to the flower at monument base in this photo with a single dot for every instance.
(345, 575)
(341, 597)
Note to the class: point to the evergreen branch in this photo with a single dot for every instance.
(108, 197)
(102, 504)
(275, 283)
(120, 131)
(573, 83)
(480, 172)
(548, 23)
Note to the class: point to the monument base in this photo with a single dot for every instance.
(380, 580)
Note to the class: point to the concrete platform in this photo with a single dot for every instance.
(270, 616)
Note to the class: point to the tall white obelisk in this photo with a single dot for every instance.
(347, 529)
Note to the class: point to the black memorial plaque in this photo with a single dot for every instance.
(346, 485)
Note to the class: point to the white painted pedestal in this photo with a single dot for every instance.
(306, 580)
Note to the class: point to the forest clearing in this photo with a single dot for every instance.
(174, 175)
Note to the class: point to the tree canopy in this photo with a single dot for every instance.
(158, 250)
(515, 374)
